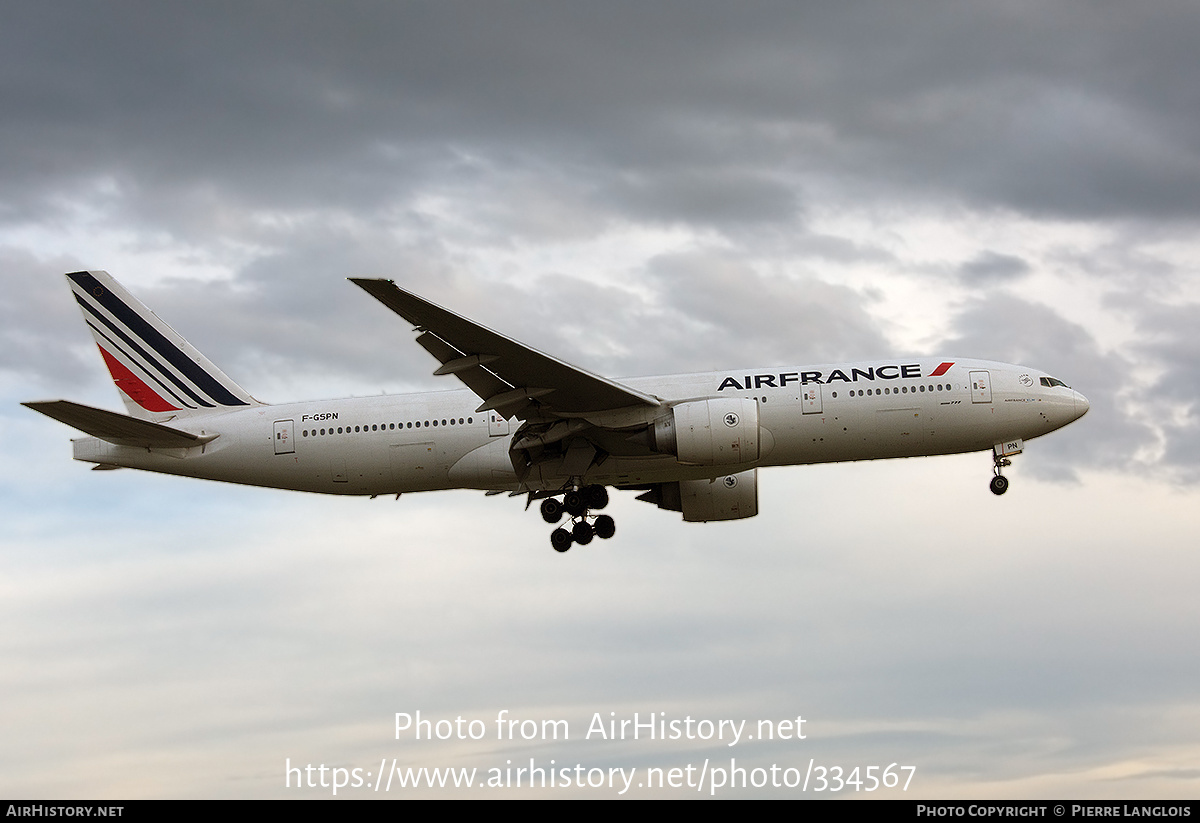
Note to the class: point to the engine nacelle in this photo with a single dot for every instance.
(722, 431)
(731, 497)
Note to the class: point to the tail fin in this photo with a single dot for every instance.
(159, 375)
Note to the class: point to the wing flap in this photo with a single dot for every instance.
(525, 376)
(119, 429)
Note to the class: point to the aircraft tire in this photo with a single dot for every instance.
(582, 532)
(552, 510)
(604, 527)
(595, 496)
(561, 540)
(574, 503)
(999, 484)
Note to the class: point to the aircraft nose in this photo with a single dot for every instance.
(1081, 404)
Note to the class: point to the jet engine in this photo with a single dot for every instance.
(721, 431)
(731, 497)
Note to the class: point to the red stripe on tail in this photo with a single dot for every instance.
(133, 386)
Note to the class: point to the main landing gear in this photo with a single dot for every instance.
(578, 503)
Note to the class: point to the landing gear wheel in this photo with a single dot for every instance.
(604, 527)
(552, 510)
(574, 503)
(595, 496)
(560, 539)
(999, 484)
(582, 532)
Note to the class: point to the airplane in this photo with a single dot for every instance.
(530, 424)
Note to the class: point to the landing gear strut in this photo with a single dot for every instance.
(578, 503)
(999, 484)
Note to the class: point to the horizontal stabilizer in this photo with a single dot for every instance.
(118, 429)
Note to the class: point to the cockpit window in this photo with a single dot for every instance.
(1051, 382)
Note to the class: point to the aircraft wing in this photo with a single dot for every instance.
(508, 376)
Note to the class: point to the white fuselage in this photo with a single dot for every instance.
(421, 442)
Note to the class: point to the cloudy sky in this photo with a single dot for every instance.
(637, 188)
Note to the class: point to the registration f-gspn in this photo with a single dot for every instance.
(530, 424)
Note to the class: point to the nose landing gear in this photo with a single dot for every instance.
(578, 503)
(1000, 452)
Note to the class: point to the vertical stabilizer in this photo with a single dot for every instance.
(159, 375)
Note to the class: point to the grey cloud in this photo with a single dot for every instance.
(1069, 110)
(720, 197)
(989, 266)
(42, 336)
(1171, 400)
(748, 318)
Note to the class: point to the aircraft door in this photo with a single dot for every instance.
(283, 437)
(981, 387)
(810, 398)
(497, 425)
